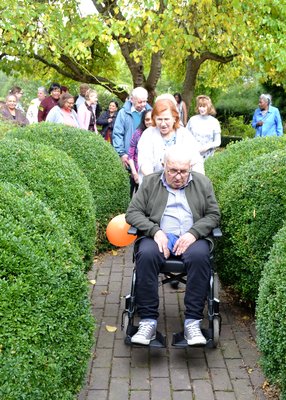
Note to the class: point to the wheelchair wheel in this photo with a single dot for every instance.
(216, 286)
(216, 330)
(125, 322)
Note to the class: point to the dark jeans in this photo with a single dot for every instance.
(148, 263)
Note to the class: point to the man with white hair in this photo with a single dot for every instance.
(127, 121)
(175, 211)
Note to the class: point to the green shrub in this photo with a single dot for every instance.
(5, 126)
(224, 163)
(271, 314)
(235, 126)
(253, 206)
(46, 325)
(57, 180)
(108, 180)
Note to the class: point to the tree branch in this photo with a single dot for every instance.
(77, 74)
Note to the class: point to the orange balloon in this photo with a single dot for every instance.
(117, 232)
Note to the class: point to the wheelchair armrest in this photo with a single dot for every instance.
(132, 231)
(216, 232)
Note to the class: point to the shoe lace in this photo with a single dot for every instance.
(194, 329)
(145, 328)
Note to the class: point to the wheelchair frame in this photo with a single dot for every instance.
(173, 269)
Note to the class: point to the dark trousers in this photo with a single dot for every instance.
(149, 261)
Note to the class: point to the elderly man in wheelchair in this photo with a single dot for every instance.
(175, 211)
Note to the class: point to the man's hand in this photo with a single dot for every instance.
(259, 123)
(124, 160)
(183, 243)
(162, 242)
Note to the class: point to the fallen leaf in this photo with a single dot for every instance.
(110, 328)
(114, 252)
(104, 292)
(93, 281)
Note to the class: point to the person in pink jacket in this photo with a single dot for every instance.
(86, 114)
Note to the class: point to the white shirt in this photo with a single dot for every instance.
(32, 112)
(206, 130)
(151, 150)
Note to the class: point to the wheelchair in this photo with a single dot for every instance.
(174, 270)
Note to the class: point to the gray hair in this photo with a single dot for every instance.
(139, 92)
(177, 153)
(43, 89)
(266, 97)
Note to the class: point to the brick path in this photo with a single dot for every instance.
(119, 372)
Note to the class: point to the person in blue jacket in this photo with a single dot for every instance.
(266, 119)
(126, 123)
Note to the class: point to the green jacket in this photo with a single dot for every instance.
(148, 204)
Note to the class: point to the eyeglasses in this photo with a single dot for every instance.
(175, 172)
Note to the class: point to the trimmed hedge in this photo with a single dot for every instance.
(57, 180)
(271, 314)
(46, 325)
(108, 180)
(5, 126)
(224, 163)
(253, 206)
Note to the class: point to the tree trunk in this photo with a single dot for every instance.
(192, 69)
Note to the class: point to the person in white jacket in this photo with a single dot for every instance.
(165, 131)
(33, 109)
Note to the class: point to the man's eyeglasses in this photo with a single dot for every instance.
(175, 172)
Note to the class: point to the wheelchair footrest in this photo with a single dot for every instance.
(158, 342)
(180, 342)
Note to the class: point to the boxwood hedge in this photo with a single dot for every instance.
(271, 314)
(253, 206)
(46, 325)
(108, 180)
(224, 163)
(58, 181)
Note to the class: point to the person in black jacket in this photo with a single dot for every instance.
(107, 119)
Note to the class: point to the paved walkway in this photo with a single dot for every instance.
(120, 372)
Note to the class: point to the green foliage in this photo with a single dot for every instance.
(271, 314)
(97, 159)
(5, 126)
(235, 126)
(253, 207)
(224, 163)
(46, 325)
(58, 181)
(177, 37)
(239, 99)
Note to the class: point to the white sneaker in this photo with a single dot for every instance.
(146, 332)
(193, 333)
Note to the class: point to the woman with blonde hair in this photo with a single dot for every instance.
(164, 132)
(204, 127)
